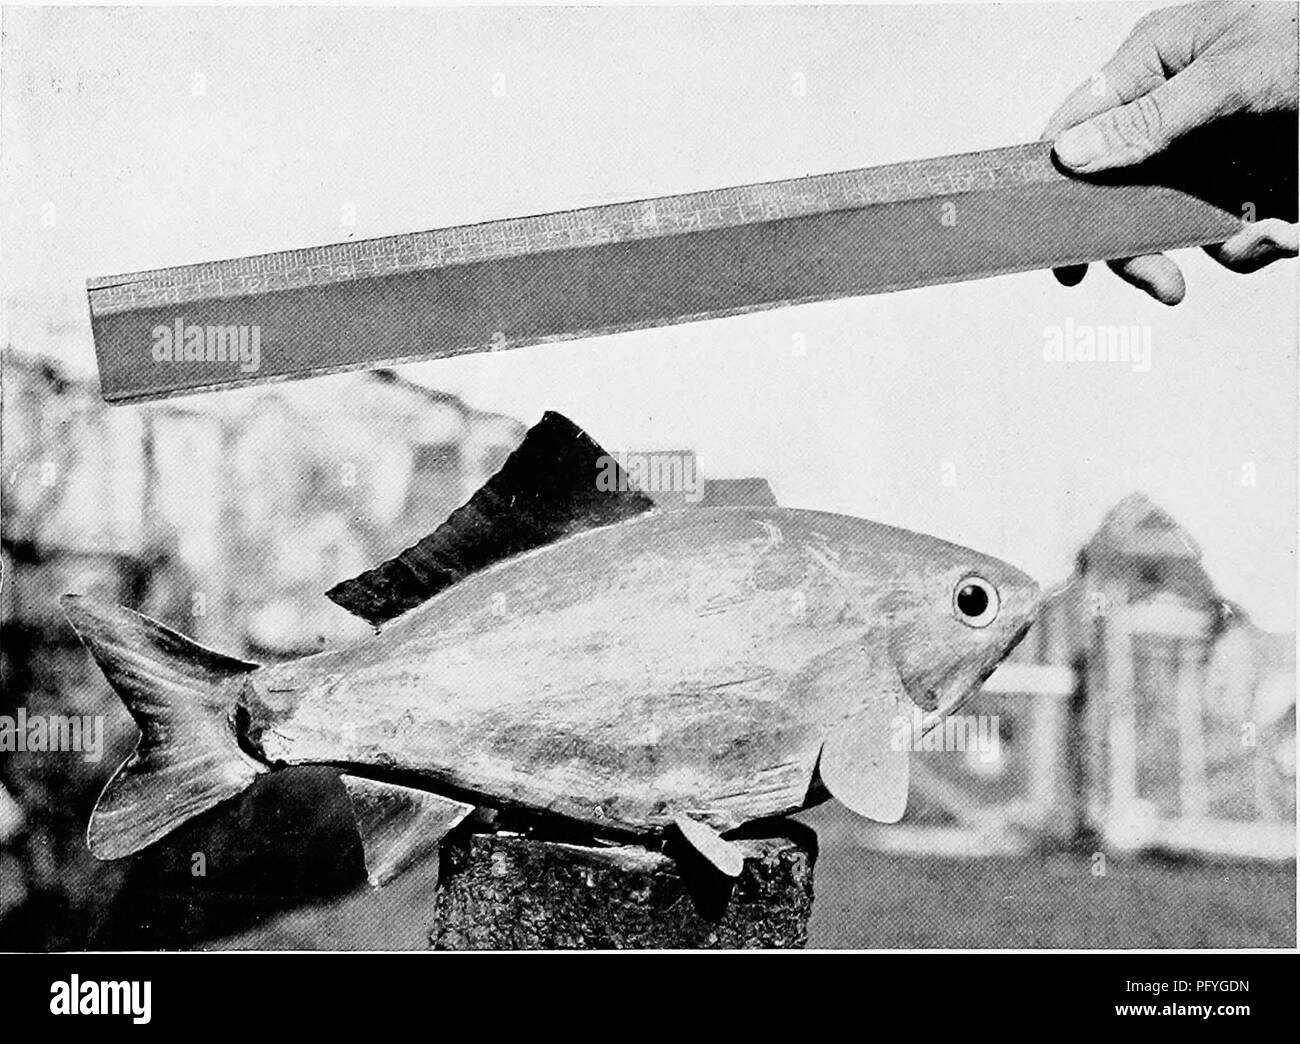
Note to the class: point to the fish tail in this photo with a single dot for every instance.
(182, 697)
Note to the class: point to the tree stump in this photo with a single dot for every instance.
(505, 891)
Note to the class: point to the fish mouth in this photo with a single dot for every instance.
(930, 719)
(943, 708)
(1016, 639)
(1059, 590)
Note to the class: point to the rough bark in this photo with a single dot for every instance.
(507, 891)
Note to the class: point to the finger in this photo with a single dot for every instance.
(1257, 245)
(1148, 124)
(1132, 71)
(1091, 98)
(1154, 274)
(1070, 275)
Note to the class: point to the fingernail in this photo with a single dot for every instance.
(1081, 146)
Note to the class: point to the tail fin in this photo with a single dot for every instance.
(180, 695)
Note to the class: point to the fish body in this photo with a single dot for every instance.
(690, 660)
(601, 662)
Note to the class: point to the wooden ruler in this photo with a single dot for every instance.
(625, 266)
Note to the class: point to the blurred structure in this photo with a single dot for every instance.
(1142, 712)
(226, 517)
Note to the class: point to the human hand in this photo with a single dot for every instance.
(1180, 70)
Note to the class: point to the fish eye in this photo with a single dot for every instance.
(975, 601)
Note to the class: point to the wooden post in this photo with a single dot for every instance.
(1048, 764)
(507, 891)
(1079, 764)
(1193, 796)
(1092, 707)
(1120, 697)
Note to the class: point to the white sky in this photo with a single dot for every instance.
(304, 111)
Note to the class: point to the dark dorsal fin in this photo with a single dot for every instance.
(557, 483)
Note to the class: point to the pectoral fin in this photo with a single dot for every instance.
(862, 766)
(722, 854)
(398, 824)
(862, 762)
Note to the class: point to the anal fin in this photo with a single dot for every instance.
(398, 824)
(725, 857)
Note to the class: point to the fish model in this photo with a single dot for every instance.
(563, 647)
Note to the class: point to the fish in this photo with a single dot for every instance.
(564, 647)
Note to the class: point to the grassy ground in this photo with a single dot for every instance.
(263, 866)
(869, 899)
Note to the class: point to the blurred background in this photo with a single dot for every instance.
(1144, 791)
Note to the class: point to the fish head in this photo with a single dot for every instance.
(939, 619)
(954, 616)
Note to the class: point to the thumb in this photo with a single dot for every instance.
(1129, 134)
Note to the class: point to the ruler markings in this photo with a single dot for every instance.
(689, 212)
(624, 266)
